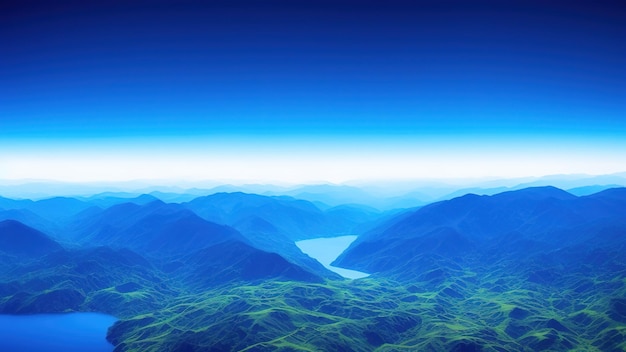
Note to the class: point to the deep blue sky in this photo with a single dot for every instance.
(86, 72)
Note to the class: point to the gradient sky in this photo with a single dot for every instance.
(308, 91)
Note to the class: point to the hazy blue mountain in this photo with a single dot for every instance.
(237, 261)
(386, 219)
(111, 194)
(175, 234)
(105, 200)
(56, 210)
(156, 228)
(17, 239)
(573, 181)
(274, 223)
(162, 229)
(588, 190)
(577, 191)
(332, 194)
(31, 219)
(475, 190)
(545, 218)
(372, 197)
(354, 217)
(8, 203)
(265, 236)
(173, 197)
(403, 202)
(186, 195)
(95, 219)
(294, 218)
(47, 189)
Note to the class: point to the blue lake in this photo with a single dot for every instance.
(326, 250)
(72, 332)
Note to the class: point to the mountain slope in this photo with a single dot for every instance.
(544, 215)
(31, 219)
(100, 279)
(266, 237)
(156, 228)
(236, 261)
(19, 240)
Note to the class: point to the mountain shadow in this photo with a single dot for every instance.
(19, 240)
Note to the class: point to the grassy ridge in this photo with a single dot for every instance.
(468, 312)
(499, 307)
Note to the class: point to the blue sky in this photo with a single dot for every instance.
(310, 91)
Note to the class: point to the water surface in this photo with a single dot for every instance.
(72, 332)
(327, 249)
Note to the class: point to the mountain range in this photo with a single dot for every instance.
(546, 219)
(538, 268)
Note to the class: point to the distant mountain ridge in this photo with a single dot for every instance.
(384, 195)
(297, 219)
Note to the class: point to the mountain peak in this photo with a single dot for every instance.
(536, 193)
